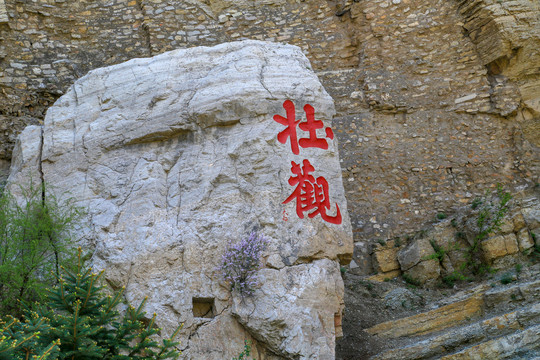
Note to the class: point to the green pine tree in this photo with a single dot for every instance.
(82, 323)
(22, 340)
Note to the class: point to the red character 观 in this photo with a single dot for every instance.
(311, 193)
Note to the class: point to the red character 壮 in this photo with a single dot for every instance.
(310, 194)
(310, 125)
(290, 122)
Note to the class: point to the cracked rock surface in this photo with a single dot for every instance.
(176, 155)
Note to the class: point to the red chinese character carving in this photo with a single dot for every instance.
(310, 125)
(290, 122)
(310, 193)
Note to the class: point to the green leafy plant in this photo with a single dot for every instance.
(453, 277)
(245, 353)
(410, 280)
(507, 278)
(489, 218)
(439, 252)
(81, 323)
(441, 216)
(535, 252)
(33, 242)
(476, 202)
(369, 286)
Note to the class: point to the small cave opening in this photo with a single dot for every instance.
(204, 307)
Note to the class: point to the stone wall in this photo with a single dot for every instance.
(3, 12)
(436, 100)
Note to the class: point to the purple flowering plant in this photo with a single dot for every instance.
(240, 262)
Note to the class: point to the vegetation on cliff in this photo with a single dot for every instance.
(80, 322)
(33, 245)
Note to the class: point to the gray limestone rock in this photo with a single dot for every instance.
(415, 252)
(425, 272)
(176, 155)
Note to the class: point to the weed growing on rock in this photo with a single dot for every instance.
(245, 353)
(476, 202)
(535, 252)
(240, 263)
(410, 280)
(507, 278)
(441, 216)
(439, 252)
(491, 214)
(451, 279)
(489, 218)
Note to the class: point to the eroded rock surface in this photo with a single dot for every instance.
(176, 155)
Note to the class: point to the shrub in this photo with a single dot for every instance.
(507, 278)
(240, 262)
(410, 280)
(82, 323)
(441, 216)
(491, 214)
(32, 244)
(451, 279)
(488, 220)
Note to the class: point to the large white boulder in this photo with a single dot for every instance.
(175, 156)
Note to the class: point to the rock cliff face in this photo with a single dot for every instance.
(436, 102)
(175, 156)
(434, 99)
